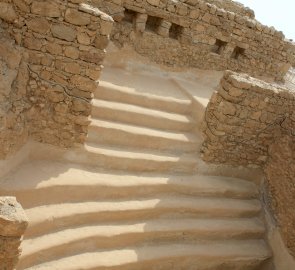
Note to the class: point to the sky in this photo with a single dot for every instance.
(277, 13)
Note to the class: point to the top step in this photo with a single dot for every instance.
(113, 92)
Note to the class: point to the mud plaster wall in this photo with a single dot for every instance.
(62, 48)
(251, 123)
(199, 34)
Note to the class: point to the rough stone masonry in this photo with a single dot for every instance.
(249, 122)
(13, 223)
(51, 58)
(196, 33)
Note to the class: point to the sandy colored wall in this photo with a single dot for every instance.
(243, 118)
(280, 180)
(59, 46)
(13, 77)
(199, 34)
(251, 123)
(233, 6)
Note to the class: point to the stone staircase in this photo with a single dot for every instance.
(133, 198)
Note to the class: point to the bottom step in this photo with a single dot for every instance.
(231, 255)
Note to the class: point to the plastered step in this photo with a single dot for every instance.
(101, 131)
(126, 113)
(90, 238)
(132, 159)
(46, 218)
(56, 182)
(238, 255)
(113, 92)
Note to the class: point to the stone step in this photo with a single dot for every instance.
(133, 159)
(136, 115)
(90, 238)
(113, 92)
(46, 218)
(101, 131)
(60, 182)
(229, 255)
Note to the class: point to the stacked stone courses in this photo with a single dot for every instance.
(232, 6)
(244, 117)
(249, 122)
(199, 34)
(63, 46)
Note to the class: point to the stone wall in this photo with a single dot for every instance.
(233, 6)
(13, 103)
(62, 44)
(249, 122)
(13, 223)
(244, 117)
(280, 180)
(199, 34)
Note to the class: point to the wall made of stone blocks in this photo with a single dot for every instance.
(63, 46)
(243, 118)
(199, 34)
(252, 123)
(233, 6)
(280, 181)
(13, 102)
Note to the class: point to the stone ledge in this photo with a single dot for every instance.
(95, 11)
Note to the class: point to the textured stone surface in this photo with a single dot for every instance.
(280, 177)
(46, 8)
(7, 12)
(47, 71)
(217, 35)
(233, 6)
(13, 103)
(243, 118)
(249, 122)
(13, 223)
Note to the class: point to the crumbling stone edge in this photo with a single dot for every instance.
(13, 224)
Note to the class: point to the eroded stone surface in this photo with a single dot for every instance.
(249, 122)
(280, 176)
(13, 220)
(209, 34)
(13, 223)
(244, 117)
(50, 52)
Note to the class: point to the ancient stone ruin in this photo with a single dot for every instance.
(153, 134)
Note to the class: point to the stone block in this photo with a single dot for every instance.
(7, 12)
(46, 8)
(39, 25)
(64, 32)
(76, 17)
(13, 220)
